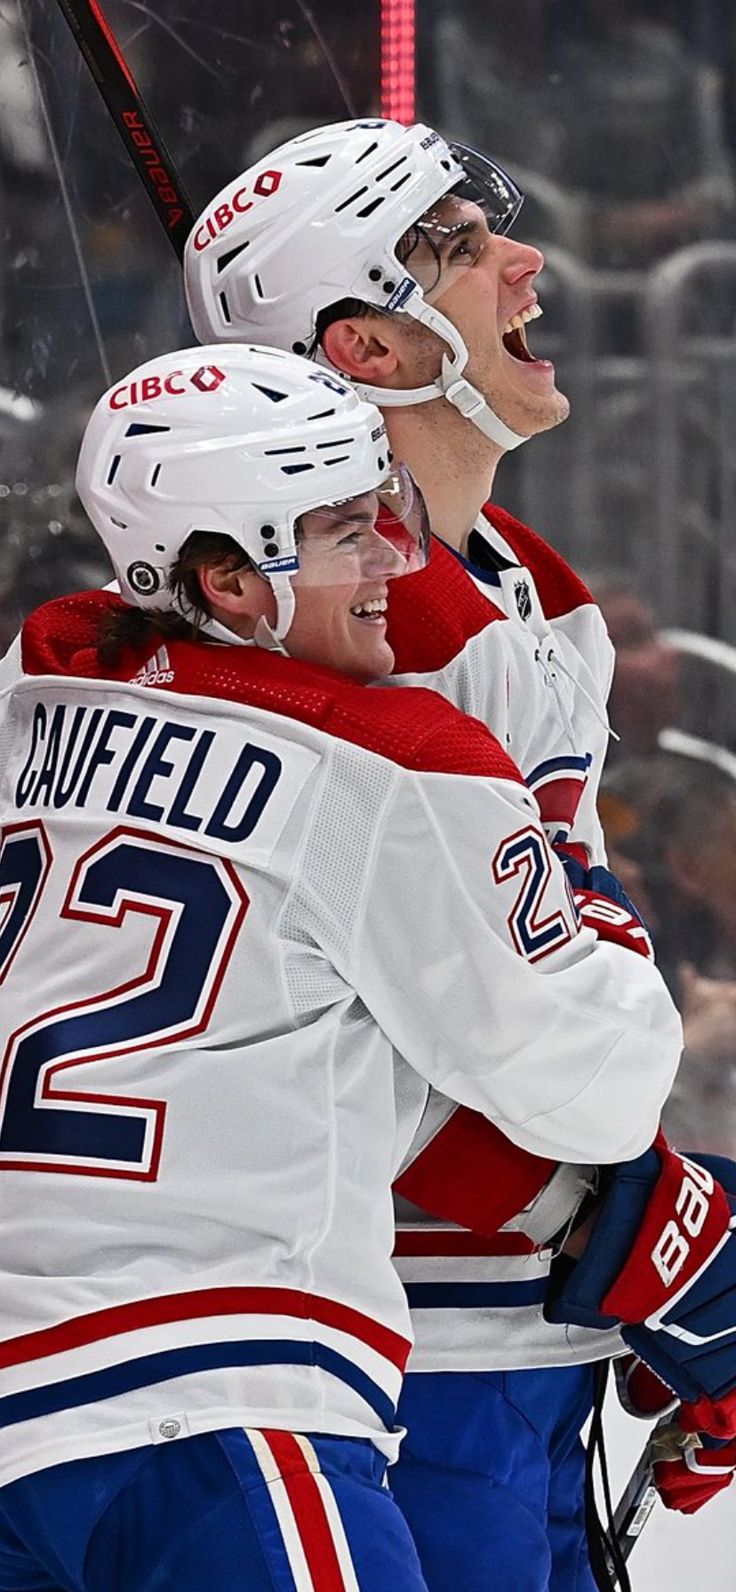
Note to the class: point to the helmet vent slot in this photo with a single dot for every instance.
(324, 414)
(113, 470)
(318, 160)
(351, 199)
(274, 453)
(381, 175)
(231, 254)
(138, 429)
(337, 442)
(396, 185)
(156, 474)
(225, 307)
(258, 287)
(367, 152)
(341, 458)
(270, 392)
(295, 469)
(369, 208)
(121, 525)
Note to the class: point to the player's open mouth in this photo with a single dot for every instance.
(371, 610)
(514, 334)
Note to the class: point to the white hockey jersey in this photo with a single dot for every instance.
(230, 890)
(515, 638)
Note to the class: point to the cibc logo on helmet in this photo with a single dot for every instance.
(174, 384)
(218, 220)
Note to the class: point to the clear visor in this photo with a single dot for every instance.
(374, 537)
(456, 227)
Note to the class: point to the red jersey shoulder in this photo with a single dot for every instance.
(560, 589)
(431, 615)
(412, 727)
(62, 636)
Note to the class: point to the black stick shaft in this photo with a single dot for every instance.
(635, 1505)
(145, 146)
(639, 1495)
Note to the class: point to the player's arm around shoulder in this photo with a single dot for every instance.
(470, 955)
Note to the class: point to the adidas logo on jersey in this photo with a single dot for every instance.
(157, 671)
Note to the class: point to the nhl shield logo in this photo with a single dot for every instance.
(523, 598)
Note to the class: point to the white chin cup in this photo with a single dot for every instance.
(450, 384)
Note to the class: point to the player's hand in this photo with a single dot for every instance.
(660, 1262)
(685, 1477)
(687, 1480)
(602, 904)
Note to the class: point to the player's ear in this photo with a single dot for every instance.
(362, 347)
(230, 589)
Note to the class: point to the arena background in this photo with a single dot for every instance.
(618, 118)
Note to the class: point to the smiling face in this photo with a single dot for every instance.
(484, 284)
(341, 591)
(331, 609)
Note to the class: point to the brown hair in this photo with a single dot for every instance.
(135, 628)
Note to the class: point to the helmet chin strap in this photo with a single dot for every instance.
(272, 637)
(450, 384)
(219, 632)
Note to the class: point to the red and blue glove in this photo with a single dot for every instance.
(686, 1476)
(688, 1480)
(660, 1263)
(602, 904)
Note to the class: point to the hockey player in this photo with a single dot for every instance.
(236, 881)
(384, 252)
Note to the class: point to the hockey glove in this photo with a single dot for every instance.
(640, 1392)
(602, 904)
(661, 1264)
(686, 1481)
(688, 1469)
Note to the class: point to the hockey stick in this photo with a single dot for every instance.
(666, 1441)
(635, 1504)
(146, 148)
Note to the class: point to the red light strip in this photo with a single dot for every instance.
(398, 60)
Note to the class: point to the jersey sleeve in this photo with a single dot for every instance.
(468, 953)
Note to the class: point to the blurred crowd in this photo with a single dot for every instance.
(668, 808)
(618, 118)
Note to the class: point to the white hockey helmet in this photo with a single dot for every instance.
(319, 220)
(240, 441)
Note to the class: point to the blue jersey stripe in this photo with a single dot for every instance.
(469, 1295)
(558, 765)
(154, 1368)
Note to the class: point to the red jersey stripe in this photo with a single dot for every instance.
(200, 1303)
